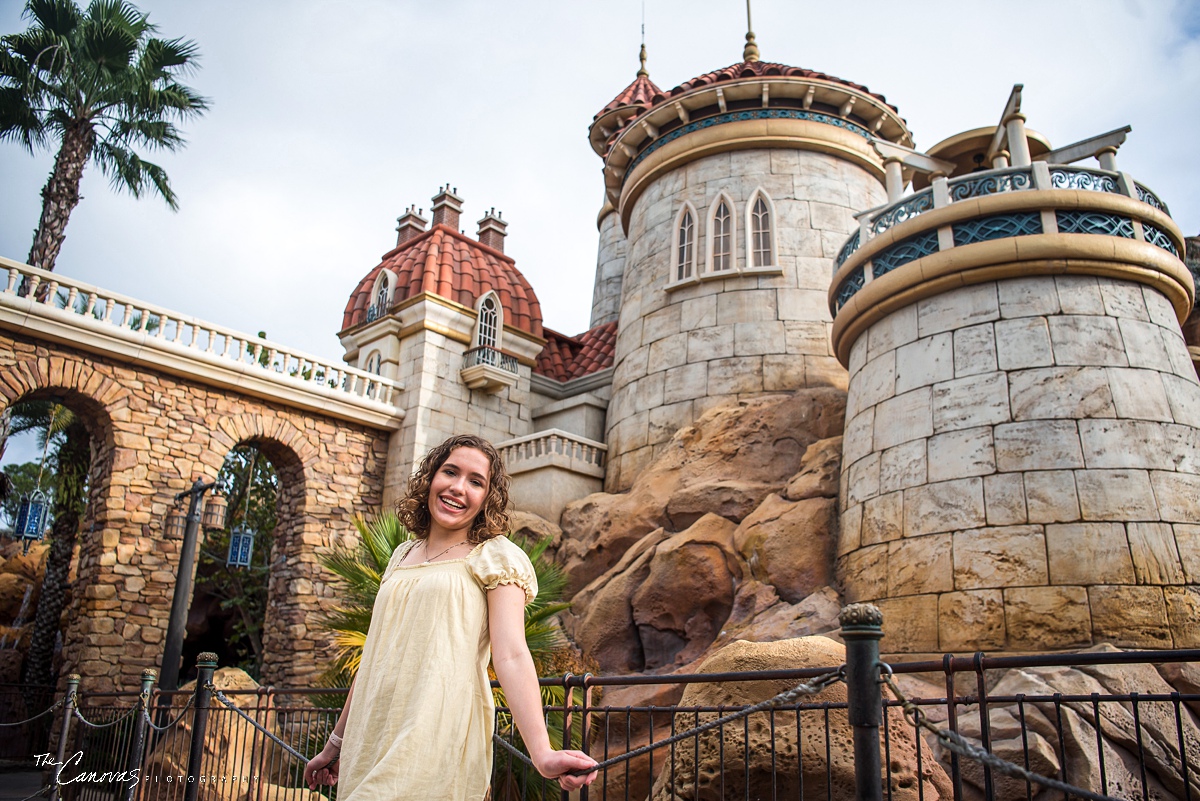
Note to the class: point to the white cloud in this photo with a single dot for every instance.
(328, 119)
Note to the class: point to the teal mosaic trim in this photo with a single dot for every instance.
(740, 116)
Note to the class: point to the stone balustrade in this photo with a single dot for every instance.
(80, 315)
(552, 468)
(554, 445)
(910, 248)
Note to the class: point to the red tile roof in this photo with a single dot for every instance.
(642, 92)
(564, 357)
(762, 69)
(446, 263)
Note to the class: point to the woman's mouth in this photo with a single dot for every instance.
(453, 504)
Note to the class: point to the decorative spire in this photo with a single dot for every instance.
(750, 51)
(642, 73)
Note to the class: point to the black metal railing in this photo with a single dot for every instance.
(490, 356)
(1109, 723)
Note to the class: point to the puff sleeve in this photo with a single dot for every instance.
(500, 561)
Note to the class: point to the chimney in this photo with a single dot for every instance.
(410, 225)
(447, 206)
(491, 230)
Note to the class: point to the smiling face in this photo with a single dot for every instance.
(457, 492)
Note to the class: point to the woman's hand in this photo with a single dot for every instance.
(554, 764)
(323, 768)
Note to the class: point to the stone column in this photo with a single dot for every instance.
(1018, 145)
(1108, 159)
(893, 178)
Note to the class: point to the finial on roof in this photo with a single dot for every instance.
(642, 73)
(750, 51)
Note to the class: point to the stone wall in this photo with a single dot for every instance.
(683, 350)
(610, 267)
(1022, 469)
(153, 435)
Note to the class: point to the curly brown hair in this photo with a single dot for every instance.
(492, 520)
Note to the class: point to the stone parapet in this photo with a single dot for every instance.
(1022, 468)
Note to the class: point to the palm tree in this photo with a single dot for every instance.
(64, 435)
(99, 84)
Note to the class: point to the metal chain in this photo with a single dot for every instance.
(39, 793)
(221, 697)
(57, 704)
(175, 722)
(782, 699)
(86, 722)
(960, 745)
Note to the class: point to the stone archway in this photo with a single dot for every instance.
(162, 432)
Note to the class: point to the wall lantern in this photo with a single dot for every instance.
(32, 514)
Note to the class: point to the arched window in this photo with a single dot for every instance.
(722, 236)
(488, 329)
(375, 363)
(379, 298)
(685, 249)
(762, 248)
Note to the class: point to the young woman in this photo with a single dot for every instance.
(419, 717)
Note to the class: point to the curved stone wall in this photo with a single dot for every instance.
(1022, 469)
(683, 350)
(610, 268)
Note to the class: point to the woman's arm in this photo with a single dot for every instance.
(323, 768)
(514, 668)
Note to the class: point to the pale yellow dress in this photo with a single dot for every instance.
(420, 725)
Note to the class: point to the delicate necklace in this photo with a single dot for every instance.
(451, 548)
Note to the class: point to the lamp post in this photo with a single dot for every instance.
(173, 651)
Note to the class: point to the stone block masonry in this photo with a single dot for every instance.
(152, 435)
(685, 348)
(1022, 463)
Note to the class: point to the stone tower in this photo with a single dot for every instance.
(727, 199)
(1022, 446)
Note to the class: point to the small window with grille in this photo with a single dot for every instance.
(762, 250)
(722, 237)
(685, 254)
(489, 323)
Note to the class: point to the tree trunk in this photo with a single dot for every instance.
(74, 459)
(60, 196)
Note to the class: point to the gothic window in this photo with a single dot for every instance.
(375, 363)
(762, 250)
(488, 328)
(722, 236)
(685, 251)
(379, 298)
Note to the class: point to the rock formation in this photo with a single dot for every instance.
(1121, 742)
(244, 773)
(724, 761)
(732, 526)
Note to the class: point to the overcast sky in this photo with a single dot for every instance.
(328, 119)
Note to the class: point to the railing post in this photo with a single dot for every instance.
(862, 628)
(68, 712)
(137, 743)
(206, 663)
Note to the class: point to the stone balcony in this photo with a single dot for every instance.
(551, 468)
(61, 309)
(1042, 219)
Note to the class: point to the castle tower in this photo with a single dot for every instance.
(453, 319)
(1022, 446)
(730, 196)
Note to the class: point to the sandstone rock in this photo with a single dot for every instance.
(531, 526)
(600, 619)
(18, 597)
(1157, 741)
(31, 565)
(790, 545)
(620, 733)
(822, 778)
(226, 751)
(820, 471)
(1185, 678)
(816, 614)
(732, 500)
(663, 603)
(760, 441)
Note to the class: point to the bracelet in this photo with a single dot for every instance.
(335, 741)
